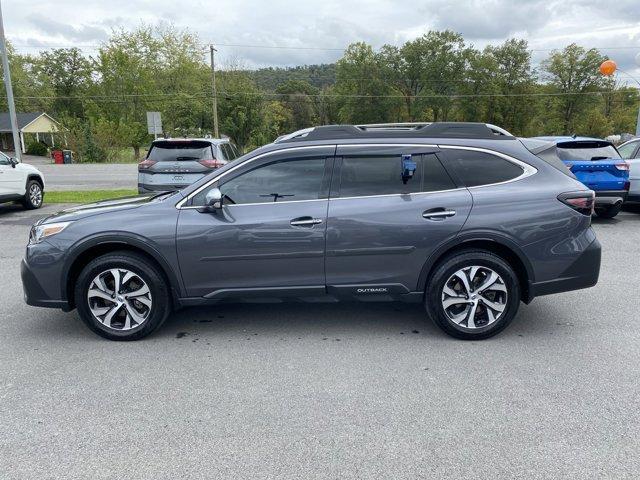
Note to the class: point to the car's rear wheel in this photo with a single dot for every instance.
(473, 294)
(610, 211)
(122, 296)
(33, 196)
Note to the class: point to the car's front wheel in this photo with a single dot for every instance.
(33, 196)
(473, 294)
(122, 296)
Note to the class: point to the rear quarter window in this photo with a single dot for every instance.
(479, 168)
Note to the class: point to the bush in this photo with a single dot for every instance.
(37, 148)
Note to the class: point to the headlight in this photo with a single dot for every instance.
(40, 232)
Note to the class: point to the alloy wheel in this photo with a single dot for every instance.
(119, 299)
(35, 195)
(474, 297)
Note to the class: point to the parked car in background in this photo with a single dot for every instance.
(458, 217)
(630, 151)
(174, 163)
(598, 165)
(20, 182)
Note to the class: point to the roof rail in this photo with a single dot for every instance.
(399, 130)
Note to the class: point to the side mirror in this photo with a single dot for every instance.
(213, 199)
(13, 162)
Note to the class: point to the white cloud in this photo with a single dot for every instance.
(332, 23)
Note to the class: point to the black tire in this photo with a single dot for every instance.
(443, 272)
(142, 267)
(610, 211)
(31, 201)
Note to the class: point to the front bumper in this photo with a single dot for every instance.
(610, 197)
(582, 273)
(34, 293)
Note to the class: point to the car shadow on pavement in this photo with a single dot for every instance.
(295, 321)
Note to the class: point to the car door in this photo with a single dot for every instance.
(631, 153)
(12, 180)
(269, 236)
(381, 230)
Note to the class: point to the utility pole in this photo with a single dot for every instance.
(17, 145)
(216, 134)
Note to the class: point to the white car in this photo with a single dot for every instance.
(20, 182)
(630, 151)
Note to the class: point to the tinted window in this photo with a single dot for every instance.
(586, 150)
(4, 160)
(170, 151)
(227, 152)
(626, 150)
(478, 168)
(277, 182)
(373, 175)
(435, 176)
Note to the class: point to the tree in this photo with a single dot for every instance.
(69, 74)
(365, 95)
(240, 107)
(299, 97)
(573, 73)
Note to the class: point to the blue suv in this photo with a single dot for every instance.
(597, 164)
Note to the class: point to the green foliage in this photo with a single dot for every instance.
(101, 102)
(37, 148)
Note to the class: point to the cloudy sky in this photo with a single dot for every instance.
(257, 32)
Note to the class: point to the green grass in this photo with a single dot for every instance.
(88, 196)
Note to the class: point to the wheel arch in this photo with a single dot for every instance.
(37, 178)
(496, 244)
(82, 254)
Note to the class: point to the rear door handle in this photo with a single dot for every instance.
(438, 214)
(305, 221)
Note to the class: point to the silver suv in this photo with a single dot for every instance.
(461, 218)
(174, 163)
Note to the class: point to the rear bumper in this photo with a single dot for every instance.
(610, 197)
(582, 273)
(34, 293)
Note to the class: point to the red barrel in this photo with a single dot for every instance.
(57, 156)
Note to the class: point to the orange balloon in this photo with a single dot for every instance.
(608, 67)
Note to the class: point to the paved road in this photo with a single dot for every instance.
(333, 391)
(86, 176)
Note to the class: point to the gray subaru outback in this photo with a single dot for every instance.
(460, 217)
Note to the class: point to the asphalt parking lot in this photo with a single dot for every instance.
(332, 391)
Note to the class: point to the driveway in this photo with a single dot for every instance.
(85, 176)
(344, 391)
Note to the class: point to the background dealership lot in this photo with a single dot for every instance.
(345, 391)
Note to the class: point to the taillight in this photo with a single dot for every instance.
(581, 202)
(211, 162)
(146, 164)
(622, 166)
(627, 185)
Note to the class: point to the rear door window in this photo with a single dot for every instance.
(171, 151)
(479, 168)
(227, 151)
(376, 175)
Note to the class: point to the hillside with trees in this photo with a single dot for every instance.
(101, 100)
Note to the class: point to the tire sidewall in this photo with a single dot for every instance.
(433, 294)
(152, 277)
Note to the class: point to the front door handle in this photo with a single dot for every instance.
(305, 221)
(438, 213)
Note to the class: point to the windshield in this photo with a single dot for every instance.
(587, 150)
(180, 151)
